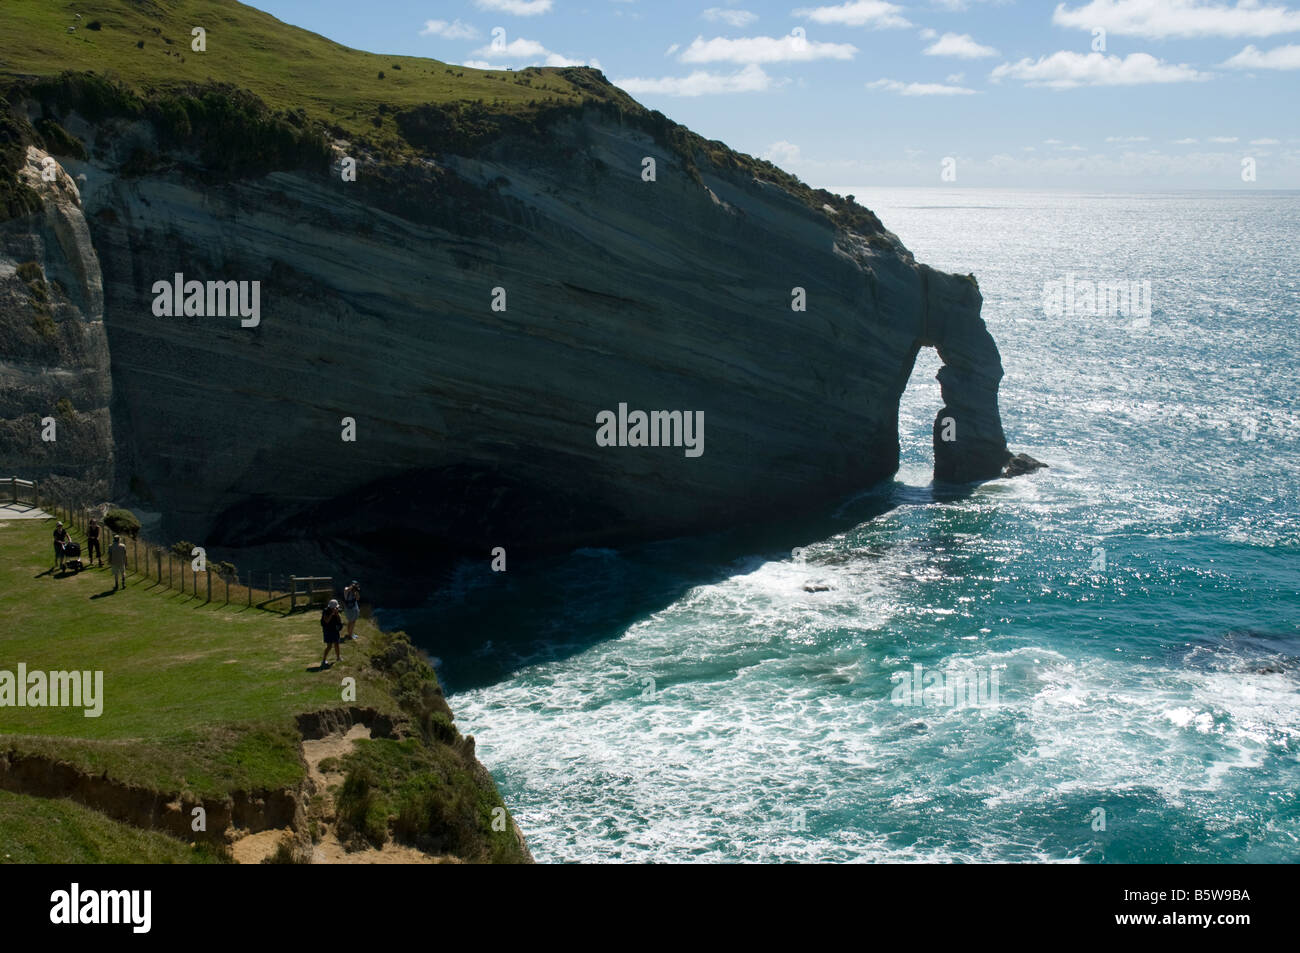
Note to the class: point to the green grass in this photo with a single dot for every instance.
(287, 67)
(198, 698)
(41, 831)
(201, 699)
(428, 796)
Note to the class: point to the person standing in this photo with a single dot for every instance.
(60, 538)
(117, 560)
(331, 624)
(92, 543)
(352, 606)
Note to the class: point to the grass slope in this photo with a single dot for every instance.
(40, 831)
(202, 699)
(198, 698)
(287, 67)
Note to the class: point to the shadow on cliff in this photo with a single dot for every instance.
(484, 625)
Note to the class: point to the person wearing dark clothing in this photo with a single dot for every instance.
(92, 543)
(60, 538)
(331, 624)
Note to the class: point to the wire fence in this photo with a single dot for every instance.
(160, 566)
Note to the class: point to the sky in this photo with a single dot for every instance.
(1086, 95)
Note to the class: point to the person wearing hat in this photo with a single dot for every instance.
(331, 624)
(352, 606)
(117, 560)
(60, 537)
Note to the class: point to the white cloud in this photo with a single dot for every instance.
(873, 13)
(516, 50)
(521, 49)
(555, 59)
(764, 49)
(1223, 139)
(1184, 142)
(480, 64)
(781, 152)
(1158, 19)
(455, 30)
(1265, 142)
(672, 49)
(1051, 142)
(520, 8)
(928, 34)
(955, 78)
(919, 89)
(960, 45)
(1126, 139)
(1281, 57)
(730, 17)
(751, 79)
(1065, 69)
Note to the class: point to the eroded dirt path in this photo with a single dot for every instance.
(254, 848)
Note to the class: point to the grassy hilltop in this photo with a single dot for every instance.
(146, 44)
(202, 705)
(290, 83)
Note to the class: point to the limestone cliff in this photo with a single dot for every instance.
(54, 363)
(474, 306)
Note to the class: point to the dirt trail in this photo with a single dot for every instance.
(254, 848)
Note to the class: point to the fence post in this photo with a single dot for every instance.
(209, 574)
(293, 593)
(169, 570)
(227, 578)
(135, 557)
(250, 588)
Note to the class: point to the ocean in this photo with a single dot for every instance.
(1131, 615)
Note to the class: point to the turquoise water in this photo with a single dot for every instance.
(1137, 602)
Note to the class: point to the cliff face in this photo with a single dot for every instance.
(475, 314)
(55, 383)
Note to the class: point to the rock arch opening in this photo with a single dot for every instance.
(967, 437)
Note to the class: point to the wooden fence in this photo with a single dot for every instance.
(159, 567)
(20, 491)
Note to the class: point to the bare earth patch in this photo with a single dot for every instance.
(329, 850)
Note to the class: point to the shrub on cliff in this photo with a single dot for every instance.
(230, 130)
(431, 796)
(428, 789)
(224, 570)
(122, 521)
(415, 685)
(362, 812)
(58, 141)
(16, 198)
